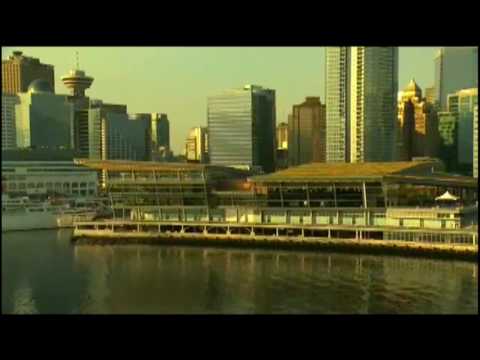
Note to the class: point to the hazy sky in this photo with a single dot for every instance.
(177, 80)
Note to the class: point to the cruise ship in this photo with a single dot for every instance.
(25, 214)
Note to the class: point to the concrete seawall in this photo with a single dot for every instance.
(408, 248)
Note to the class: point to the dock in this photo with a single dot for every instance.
(460, 244)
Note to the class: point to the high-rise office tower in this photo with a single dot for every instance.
(337, 92)
(456, 68)
(281, 152)
(430, 95)
(9, 140)
(160, 137)
(19, 71)
(463, 103)
(162, 130)
(447, 129)
(116, 135)
(373, 104)
(475, 142)
(282, 136)
(417, 126)
(43, 119)
(146, 124)
(87, 126)
(307, 133)
(361, 91)
(241, 127)
(196, 145)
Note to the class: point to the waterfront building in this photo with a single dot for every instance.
(43, 119)
(19, 71)
(25, 178)
(456, 68)
(196, 145)
(361, 90)
(417, 126)
(462, 103)
(475, 142)
(447, 129)
(395, 200)
(307, 132)
(9, 137)
(241, 128)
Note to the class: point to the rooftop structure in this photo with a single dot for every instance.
(348, 171)
(77, 81)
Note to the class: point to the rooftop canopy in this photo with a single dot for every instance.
(127, 165)
(315, 171)
(425, 172)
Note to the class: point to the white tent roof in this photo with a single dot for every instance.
(446, 196)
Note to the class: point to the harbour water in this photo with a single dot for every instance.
(44, 273)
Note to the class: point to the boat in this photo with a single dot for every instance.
(26, 214)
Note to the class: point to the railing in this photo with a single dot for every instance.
(313, 232)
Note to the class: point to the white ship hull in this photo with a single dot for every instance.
(23, 214)
(26, 221)
(23, 220)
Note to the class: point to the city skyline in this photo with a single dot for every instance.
(166, 79)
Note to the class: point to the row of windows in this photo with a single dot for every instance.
(48, 185)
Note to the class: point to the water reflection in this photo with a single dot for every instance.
(23, 302)
(156, 279)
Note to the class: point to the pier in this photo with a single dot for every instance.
(439, 243)
(397, 207)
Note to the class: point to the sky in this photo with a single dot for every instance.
(177, 80)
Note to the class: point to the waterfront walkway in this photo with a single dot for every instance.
(450, 243)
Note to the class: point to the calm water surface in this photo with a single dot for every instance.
(42, 272)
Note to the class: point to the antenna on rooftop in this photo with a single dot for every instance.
(77, 61)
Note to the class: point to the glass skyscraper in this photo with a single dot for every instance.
(447, 128)
(241, 127)
(463, 103)
(43, 119)
(118, 136)
(337, 65)
(361, 91)
(160, 137)
(456, 68)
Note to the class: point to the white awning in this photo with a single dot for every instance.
(446, 196)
